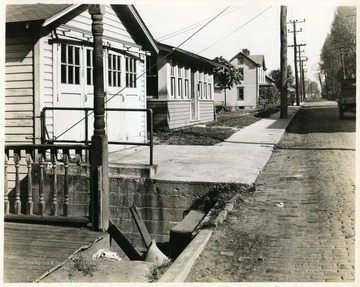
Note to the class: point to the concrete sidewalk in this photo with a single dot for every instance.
(239, 159)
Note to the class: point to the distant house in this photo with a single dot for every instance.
(48, 63)
(246, 94)
(180, 88)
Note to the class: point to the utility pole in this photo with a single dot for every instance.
(302, 79)
(283, 63)
(295, 57)
(303, 76)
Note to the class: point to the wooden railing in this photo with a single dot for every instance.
(51, 163)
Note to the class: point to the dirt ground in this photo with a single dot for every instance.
(81, 270)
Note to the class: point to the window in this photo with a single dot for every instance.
(172, 79)
(240, 60)
(242, 73)
(114, 70)
(89, 67)
(200, 85)
(187, 77)
(130, 72)
(180, 81)
(240, 93)
(70, 64)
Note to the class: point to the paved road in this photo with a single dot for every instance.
(299, 224)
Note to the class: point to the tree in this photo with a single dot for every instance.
(338, 54)
(276, 76)
(312, 89)
(226, 75)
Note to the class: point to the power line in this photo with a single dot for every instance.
(142, 74)
(235, 30)
(193, 26)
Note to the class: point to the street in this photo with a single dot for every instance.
(299, 224)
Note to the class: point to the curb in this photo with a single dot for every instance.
(181, 267)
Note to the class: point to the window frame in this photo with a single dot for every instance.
(70, 64)
(242, 98)
(131, 72)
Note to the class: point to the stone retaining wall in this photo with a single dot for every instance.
(162, 203)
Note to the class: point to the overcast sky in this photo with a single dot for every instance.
(251, 24)
(244, 24)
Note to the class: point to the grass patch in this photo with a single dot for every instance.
(193, 136)
(219, 193)
(213, 132)
(85, 266)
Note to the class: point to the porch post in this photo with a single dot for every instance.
(99, 141)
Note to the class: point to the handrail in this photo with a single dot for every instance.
(86, 141)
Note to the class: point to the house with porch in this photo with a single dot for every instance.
(180, 88)
(48, 64)
(247, 93)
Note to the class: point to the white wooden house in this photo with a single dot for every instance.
(246, 94)
(180, 88)
(49, 64)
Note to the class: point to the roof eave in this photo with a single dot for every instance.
(144, 28)
(168, 48)
(59, 15)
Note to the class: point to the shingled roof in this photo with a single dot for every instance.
(33, 12)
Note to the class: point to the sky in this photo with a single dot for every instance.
(254, 25)
(228, 26)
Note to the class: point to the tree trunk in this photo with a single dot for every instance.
(283, 60)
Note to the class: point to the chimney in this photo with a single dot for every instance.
(246, 52)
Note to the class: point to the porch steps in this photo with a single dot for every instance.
(132, 170)
(32, 250)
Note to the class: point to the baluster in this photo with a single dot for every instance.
(66, 183)
(6, 198)
(17, 182)
(29, 203)
(42, 156)
(54, 204)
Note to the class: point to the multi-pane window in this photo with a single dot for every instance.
(240, 93)
(172, 79)
(240, 60)
(114, 70)
(89, 67)
(70, 64)
(180, 82)
(187, 85)
(130, 72)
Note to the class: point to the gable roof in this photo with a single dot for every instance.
(168, 48)
(48, 13)
(256, 59)
(35, 12)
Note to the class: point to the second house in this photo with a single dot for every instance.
(180, 88)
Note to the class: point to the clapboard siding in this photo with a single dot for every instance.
(179, 114)
(19, 83)
(113, 28)
(47, 97)
(206, 111)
